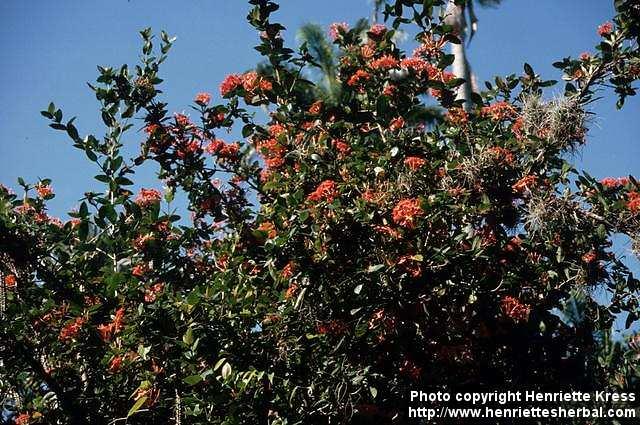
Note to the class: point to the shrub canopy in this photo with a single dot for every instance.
(345, 251)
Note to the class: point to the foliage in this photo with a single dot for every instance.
(379, 255)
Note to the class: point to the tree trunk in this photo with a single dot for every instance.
(461, 69)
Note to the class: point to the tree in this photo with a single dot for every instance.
(382, 255)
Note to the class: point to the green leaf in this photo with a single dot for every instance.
(187, 338)
(226, 371)
(528, 70)
(375, 268)
(219, 363)
(136, 406)
(193, 379)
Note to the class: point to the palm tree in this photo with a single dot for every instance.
(322, 51)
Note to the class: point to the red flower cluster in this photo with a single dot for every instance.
(502, 155)
(341, 146)
(230, 83)
(633, 202)
(315, 108)
(147, 197)
(22, 419)
(327, 190)
(108, 330)
(334, 327)
(272, 152)
(288, 270)
(357, 78)
(70, 330)
(269, 228)
(377, 30)
(251, 82)
(44, 190)
(291, 291)
(384, 62)
(151, 294)
(500, 111)
(418, 65)
(430, 46)
(396, 124)
(457, 116)
(406, 212)
(10, 280)
(414, 162)
(202, 99)
(514, 309)
(614, 183)
(524, 184)
(589, 257)
(605, 29)
(115, 364)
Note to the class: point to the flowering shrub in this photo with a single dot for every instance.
(352, 253)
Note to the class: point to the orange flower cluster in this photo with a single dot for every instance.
(517, 129)
(358, 78)
(614, 183)
(147, 197)
(589, 257)
(633, 202)
(151, 294)
(457, 116)
(524, 184)
(417, 65)
(316, 107)
(514, 309)
(341, 146)
(327, 191)
(271, 150)
(108, 330)
(269, 228)
(44, 190)
(22, 419)
(202, 99)
(115, 364)
(414, 162)
(334, 327)
(500, 111)
(431, 46)
(406, 212)
(502, 155)
(139, 270)
(230, 83)
(383, 63)
(10, 280)
(70, 330)
(288, 270)
(605, 29)
(252, 82)
(396, 124)
(292, 290)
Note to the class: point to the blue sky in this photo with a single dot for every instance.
(49, 50)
